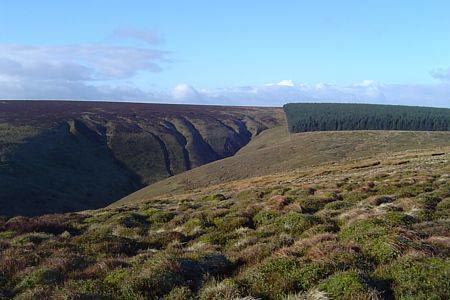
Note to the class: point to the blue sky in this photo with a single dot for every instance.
(237, 52)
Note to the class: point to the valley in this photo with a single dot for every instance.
(59, 156)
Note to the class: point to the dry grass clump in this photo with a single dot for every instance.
(53, 224)
(220, 290)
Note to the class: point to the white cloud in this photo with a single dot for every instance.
(286, 83)
(186, 93)
(75, 90)
(83, 71)
(367, 82)
(78, 62)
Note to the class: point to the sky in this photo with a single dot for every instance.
(227, 52)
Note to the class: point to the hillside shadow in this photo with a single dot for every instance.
(65, 168)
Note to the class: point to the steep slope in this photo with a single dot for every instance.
(276, 151)
(348, 230)
(58, 156)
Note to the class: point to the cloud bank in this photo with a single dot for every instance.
(79, 71)
(286, 91)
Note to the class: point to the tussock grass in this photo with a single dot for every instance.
(370, 233)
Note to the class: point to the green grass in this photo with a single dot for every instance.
(346, 285)
(283, 275)
(374, 237)
(417, 278)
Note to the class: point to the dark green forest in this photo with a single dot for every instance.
(302, 117)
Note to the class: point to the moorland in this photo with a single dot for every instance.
(335, 214)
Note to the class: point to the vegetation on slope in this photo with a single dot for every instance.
(303, 117)
(59, 156)
(354, 230)
(275, 151)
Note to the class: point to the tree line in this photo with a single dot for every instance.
(302, 117)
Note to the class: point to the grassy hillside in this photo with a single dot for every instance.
(275, 151)
(59, 156)
(376, 228)
(304, 117)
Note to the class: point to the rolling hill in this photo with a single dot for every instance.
(60, 156)
(313, 215)
(275, 151)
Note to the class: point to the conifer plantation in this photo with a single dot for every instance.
(303, 117)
